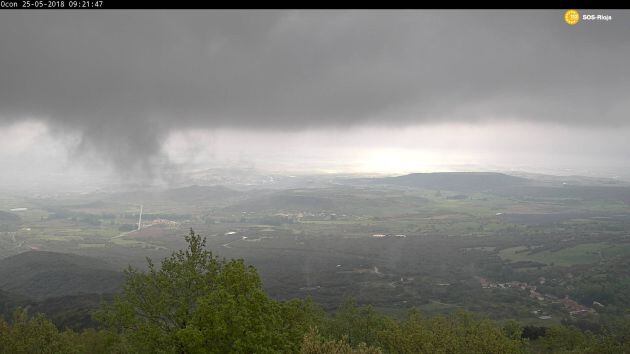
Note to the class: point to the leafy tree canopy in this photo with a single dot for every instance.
(198, 303)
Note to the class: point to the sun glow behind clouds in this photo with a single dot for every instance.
(425, 148)
(399, 161)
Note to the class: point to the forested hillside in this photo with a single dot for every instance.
(40, 275)
(198, 303)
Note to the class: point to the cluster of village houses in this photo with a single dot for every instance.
(574, 308)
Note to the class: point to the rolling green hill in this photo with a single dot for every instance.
(40, 275)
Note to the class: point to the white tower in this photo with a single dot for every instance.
(140, 218)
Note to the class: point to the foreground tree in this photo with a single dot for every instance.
(314, 344)
(455, 333)
(197, 303)
(34, 335)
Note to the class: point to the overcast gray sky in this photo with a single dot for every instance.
(140, 91)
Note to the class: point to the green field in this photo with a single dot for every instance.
(580, 254)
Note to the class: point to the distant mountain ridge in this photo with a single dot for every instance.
(453, 181)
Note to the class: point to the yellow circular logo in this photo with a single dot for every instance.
(571, 17)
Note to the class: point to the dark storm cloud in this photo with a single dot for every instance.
(126, 79)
